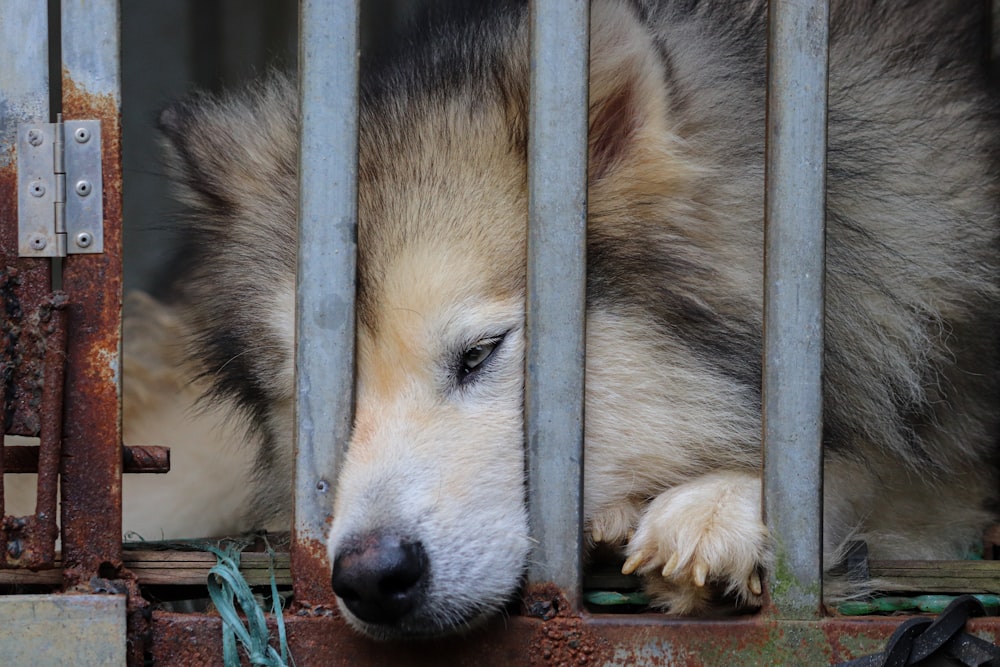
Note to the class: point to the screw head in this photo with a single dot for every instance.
(37, 242)
(35, 137)
(82, 135)
(84, 240)
(322, 486)
(36, 189)
(83, 188)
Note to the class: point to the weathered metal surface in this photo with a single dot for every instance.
(24, 77)
(33, 328)
(30, 540)
(325, 290)
(135, 460)
(24, 97)
(92, 463)
(619, 641)
(79, 630)
(557, 218)
(91, 482)
(795, 209)
(148, 459)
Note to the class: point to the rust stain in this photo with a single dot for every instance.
(148, 459)
(311, 577)
(92, 457)
(567, 641)
(25, 283)
(646, 639)
(30, 540)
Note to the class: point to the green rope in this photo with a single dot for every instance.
(227, 588)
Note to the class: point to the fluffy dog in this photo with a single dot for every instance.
(430, 530)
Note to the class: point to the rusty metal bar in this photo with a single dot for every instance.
(135, 460)
(554, 355)
(328, 81)
(92, 458)
(614, 641)
(24, 283)
(795, 209)
(40, 541)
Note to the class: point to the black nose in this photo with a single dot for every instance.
(380, 577)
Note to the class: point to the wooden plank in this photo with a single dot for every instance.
(963, 576)
(171, 568)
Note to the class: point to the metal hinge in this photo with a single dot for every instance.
(59, 193)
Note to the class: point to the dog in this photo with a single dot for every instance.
(430, 534)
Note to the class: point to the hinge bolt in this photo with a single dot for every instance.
(84, 239)
(83, 188)
(82, 135)
(37, 189)
(37, 242)
(35, 137)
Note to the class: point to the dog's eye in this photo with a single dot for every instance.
(477, 355)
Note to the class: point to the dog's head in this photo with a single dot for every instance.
(430, 529)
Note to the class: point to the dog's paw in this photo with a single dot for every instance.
(614, 525)
(700, 540)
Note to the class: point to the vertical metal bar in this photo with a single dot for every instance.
(92, 459)
(795, 205)
(554, 368)
(52, 330)
(24, 77)
(328, 80)
(24, 97)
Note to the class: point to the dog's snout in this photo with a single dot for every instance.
(380, 577)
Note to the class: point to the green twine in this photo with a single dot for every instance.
(227, 587)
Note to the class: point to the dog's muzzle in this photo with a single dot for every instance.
(380, 577)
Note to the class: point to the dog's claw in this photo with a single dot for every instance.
(699, 574)
(754, 583)
(671, 565)
(596, 534)
(634, 562)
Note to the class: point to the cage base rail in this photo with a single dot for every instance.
(649, 639)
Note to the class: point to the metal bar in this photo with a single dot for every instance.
(19, 459)
(24, 77)
(52, 328)
(92, 458)
(646, 639)
(328, 83)
(24, 97)
(555, 309)
(795, 203)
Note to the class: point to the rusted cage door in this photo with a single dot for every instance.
(61, 348)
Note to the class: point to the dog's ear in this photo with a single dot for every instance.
(232, 153)
(627, 103)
